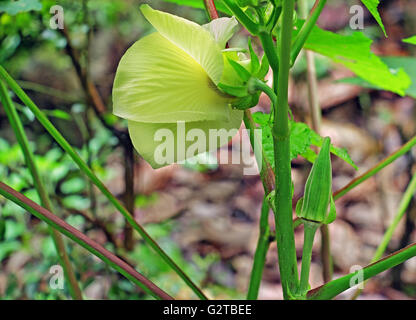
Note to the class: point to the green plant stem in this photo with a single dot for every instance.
(271, 52)
(249, 24)
(263, 244)
(391, 158)
(100, 185)
(21, 137)
(93, 247)
(306, 30)
(308, 237)
(404, 203)
(335, 287)
(316, 115)
(281, 140)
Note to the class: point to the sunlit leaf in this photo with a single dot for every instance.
(406, 63)
(372, 6)
(354, 52)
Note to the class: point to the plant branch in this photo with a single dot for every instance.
(77, 236)
(309, 235)
(211, 9)
(371, 172)
(263, 244)
(249, 24)
(335, 287)
(90, 174)
(404, 203)
(21, 137)
(306, 30)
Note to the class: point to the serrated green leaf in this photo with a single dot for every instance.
(199, 4)
(302, 137)
(354, 52)
(372, 6)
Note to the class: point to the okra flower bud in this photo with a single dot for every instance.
(318, 190)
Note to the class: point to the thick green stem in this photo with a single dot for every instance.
(316, 115)
(100, 185)
(281, 139)
(77, 236)
(335, 287)
(404, 203)
(308, 237)
(263, 244)
(21, 137)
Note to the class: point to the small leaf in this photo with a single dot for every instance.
(411, 40)
(301, 139)
(372, 7)
(241, 71)
(235, 91)
(255, 63)
(264, 68)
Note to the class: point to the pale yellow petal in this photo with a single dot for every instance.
(158, 82)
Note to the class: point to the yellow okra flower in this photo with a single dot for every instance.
(171, 77)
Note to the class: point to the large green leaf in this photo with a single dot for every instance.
(372, 7)
(301, 139)
(199, 4)
(407, 63)
(14, 7)
(354, 52)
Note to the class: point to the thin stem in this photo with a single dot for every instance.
(93, 247)
(281, 140)
(308, 237)
(100, 185)
(391, 158)
(306, 30)
(404, 203)
(211, 9)
(245, 20)
(263, 244)
(269, 47)
(335, 287)
(266, 171)
(17, 127)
